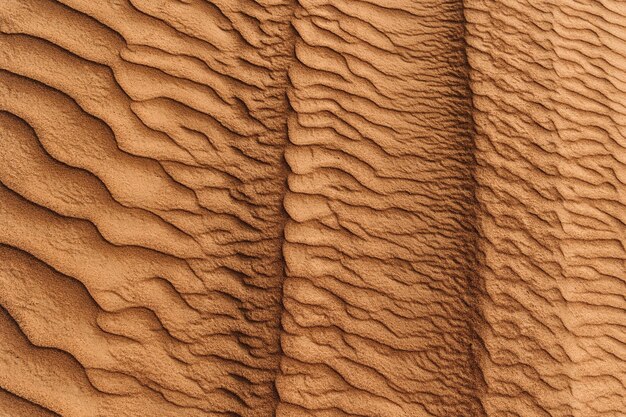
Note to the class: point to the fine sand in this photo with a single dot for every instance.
(312, 208)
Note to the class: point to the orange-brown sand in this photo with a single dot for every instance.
(312, 208)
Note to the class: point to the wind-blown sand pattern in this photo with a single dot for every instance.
(385, 208)
(549, 95)
(378, 245)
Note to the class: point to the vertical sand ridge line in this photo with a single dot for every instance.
(475, 283)
(380, 242)
(282, 55)
(549, 90)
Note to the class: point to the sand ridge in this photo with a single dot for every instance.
(333, 208)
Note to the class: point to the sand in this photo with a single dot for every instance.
(332, 208)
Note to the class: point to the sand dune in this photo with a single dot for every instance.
(324, 208)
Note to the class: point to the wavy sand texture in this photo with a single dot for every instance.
(549, 86)
(142, 183)
(378, 245)
(284, 208)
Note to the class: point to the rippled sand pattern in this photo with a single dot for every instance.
(142, 184)
(549, 95)
(377, 248)
(312, 208)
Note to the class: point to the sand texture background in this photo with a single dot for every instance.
(312, 208)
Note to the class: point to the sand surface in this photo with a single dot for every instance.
(313, 208)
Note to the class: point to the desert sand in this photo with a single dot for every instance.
(329, 208)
